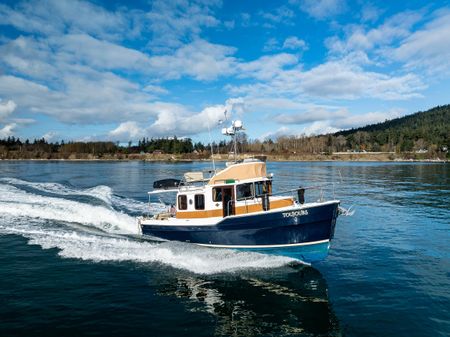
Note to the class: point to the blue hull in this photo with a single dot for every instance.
(309, 253)
(299, 233)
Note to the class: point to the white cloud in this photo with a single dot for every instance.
(279, 15)
(229, 24)
(80, 77)
(429, 47)
(54, 57)
(174, 23)
(316, 128)
(322, 9)
(50, 136)
(294, 43)
(57, 16)
(127, 130)
(370, 13)
(89, 97)
(282, 131)
(323, 121)
(72, 36)
(199, 59)
(347, 81)
(177, 120)
(155, 89)
(185, 123)
(271, 44)
(29, 56)
(267, 67)
(51, 58)
(358, 39)
(23, 121)
(245, 19)
(363, 119)
(71, 66)
(99, 54)
(331, 80)
(319, 128)
(18, 88)
(270, 103)
(8, 130)
(311, 115)
(6, 108)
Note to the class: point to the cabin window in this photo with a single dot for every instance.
(217, 194)
(182, 202)
(263, 187)
(244, 191)
(199, 201)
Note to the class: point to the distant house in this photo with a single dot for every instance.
(157, 152)
(422, 151)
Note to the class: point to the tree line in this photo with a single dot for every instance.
(426, 132)
(13, 147)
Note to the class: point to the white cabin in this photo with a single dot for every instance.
(240, 188)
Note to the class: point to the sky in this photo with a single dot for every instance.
(123, 70)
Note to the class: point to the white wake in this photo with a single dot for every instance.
(101, 192)
(101, 233)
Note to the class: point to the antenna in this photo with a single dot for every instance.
(232, 131)
(210, 139)
(211, 145)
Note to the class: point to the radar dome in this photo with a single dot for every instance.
(237, 124)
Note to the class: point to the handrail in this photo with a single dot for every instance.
(229, 203)
(316, 187)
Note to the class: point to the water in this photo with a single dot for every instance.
(71, 263)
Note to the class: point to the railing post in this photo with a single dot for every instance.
(301, 195)
(265, 202)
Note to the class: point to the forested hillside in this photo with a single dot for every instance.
(425, 130)
(422, 135)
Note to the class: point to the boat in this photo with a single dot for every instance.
(237, 207)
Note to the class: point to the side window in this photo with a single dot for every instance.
(244, 191)
(199, 201)
(182, 202)
(263, 187)
(217, 194)
(258, 188)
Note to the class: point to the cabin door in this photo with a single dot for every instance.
(228, 201)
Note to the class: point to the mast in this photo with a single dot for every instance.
(232, 131)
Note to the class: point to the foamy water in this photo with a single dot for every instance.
(101, 192)
(68, 225)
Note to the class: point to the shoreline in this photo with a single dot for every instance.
(341, 157)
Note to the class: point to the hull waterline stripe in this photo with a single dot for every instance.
(174, 222)
(264, 246)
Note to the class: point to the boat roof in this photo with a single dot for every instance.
(240, 171)
(246, 170)
(193, 177)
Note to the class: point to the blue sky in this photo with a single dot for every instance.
(123, 70)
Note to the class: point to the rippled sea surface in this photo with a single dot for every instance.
(72, 265)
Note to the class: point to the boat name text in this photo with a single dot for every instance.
(295, 213)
